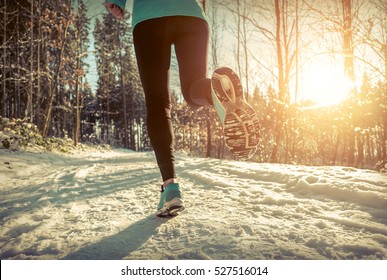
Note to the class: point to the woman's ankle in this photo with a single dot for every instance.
(169, 181)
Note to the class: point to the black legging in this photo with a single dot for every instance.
(152, 41)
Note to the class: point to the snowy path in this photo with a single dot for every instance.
(101, 205)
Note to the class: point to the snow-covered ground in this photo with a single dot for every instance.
(100, 205)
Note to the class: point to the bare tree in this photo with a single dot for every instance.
(4, 100)
(55, 85)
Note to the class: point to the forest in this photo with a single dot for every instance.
(290, 55)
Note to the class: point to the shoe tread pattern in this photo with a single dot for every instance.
(241, 126)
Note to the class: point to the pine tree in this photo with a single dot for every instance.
(119, 93)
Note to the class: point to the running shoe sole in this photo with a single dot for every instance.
(240, 122)
(171, 208)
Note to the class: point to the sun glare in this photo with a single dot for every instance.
(325, 85)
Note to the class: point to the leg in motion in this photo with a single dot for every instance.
(153, 64)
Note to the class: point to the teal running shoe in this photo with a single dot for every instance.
(171, 201)
(240, 122)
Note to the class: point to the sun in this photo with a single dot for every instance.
(324, 84)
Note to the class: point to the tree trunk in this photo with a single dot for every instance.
(238, 53)
(294, 114)
(384, 49)
(77, 96)
(245, 49)
(78, 92)
(4, 109)
(384, 140)
(349, 68)
(347, 40)
(56, 81)
(18, 91)
(208, 124)
(38, 92)
(360, 150)
(31, 91)
(123, 94)
(279, 124)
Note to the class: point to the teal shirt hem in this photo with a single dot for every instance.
(149, 9)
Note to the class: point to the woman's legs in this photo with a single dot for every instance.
(152, 41)
(153, 52)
